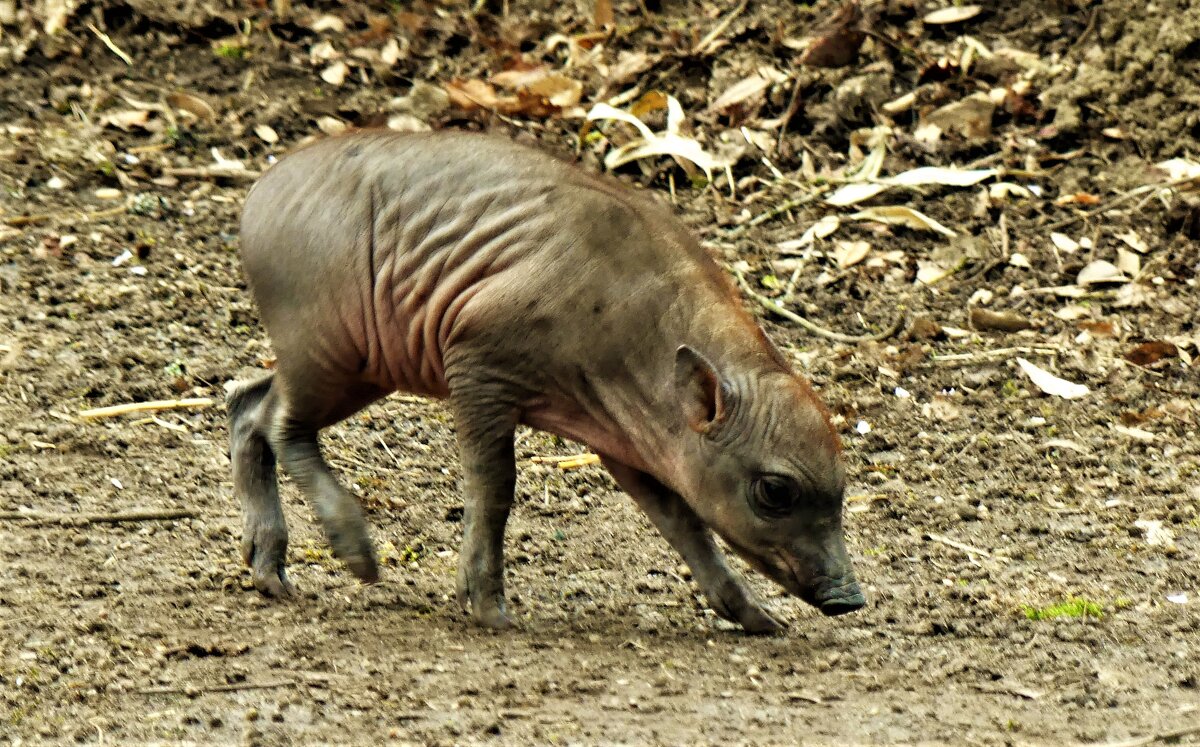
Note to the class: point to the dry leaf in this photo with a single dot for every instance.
(266, 134)
(390, 54)
(1128, 262)
(1180, 168)
(331, 125)
(518, 78)
(602, 15)
(1073, 312)
(925, 328)
(1140, 434)
(850, 253)
(1001, 191)
(539, 93)
(1100, 271)
(819, 230)
(561, 91)
(1051, 384)
(1134, 242)
(741, 91)
(668, 142)
(953, 14)
(473, 94)
(851, 194)
(322, 51)
(1064, 243)
(971, 117)
(901, 104)
(1135, 417)
(194, 105)
(903, 216)
(126, 120)
(841, 38)
(1099, 329)
(1065, 443)
(1132, 294)
(407, 123)
(328, 22)
(937, 175)
(1149, 353)
(628, 66)
(1078, 198)
(931, 272)
(335, 74)
(1002, 321)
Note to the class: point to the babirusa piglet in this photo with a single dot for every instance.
(524, 290)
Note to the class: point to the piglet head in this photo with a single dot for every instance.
(762, 467)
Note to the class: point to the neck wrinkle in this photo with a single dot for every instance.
(642, 401)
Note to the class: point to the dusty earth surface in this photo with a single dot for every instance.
(1031, 561)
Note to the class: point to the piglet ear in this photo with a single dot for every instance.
(700, 391)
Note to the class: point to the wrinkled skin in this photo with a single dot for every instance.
(523, 290)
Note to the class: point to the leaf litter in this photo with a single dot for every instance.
(987, 104)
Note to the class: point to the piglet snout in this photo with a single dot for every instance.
(837, 596)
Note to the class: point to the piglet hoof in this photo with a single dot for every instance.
(487, 611)
(736, 605)
(352, 546)
(757, 621)
(264, 549)
(364, 567)
(492, 616)
(273, 582)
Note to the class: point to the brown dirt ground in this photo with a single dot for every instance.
(148, 632)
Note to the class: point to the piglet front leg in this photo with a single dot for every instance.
(679, 524)
(485, 418)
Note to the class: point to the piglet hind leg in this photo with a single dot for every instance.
(296, 419)
(684, 530)
(264, 529)
(485, 419)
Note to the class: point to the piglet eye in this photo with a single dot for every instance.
(774, 496)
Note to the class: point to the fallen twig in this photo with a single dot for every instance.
(193, 689)
(792, 107)
(153, 406)
(1118, 201)
(40, 517)
(988, 355)
(17, 221)
(1002, 689)
(108, 42)
(567, 462)
(211, 172)
(703, 46)
(777, 308)
(1162, 736)
(969, 549)
(779, 209)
